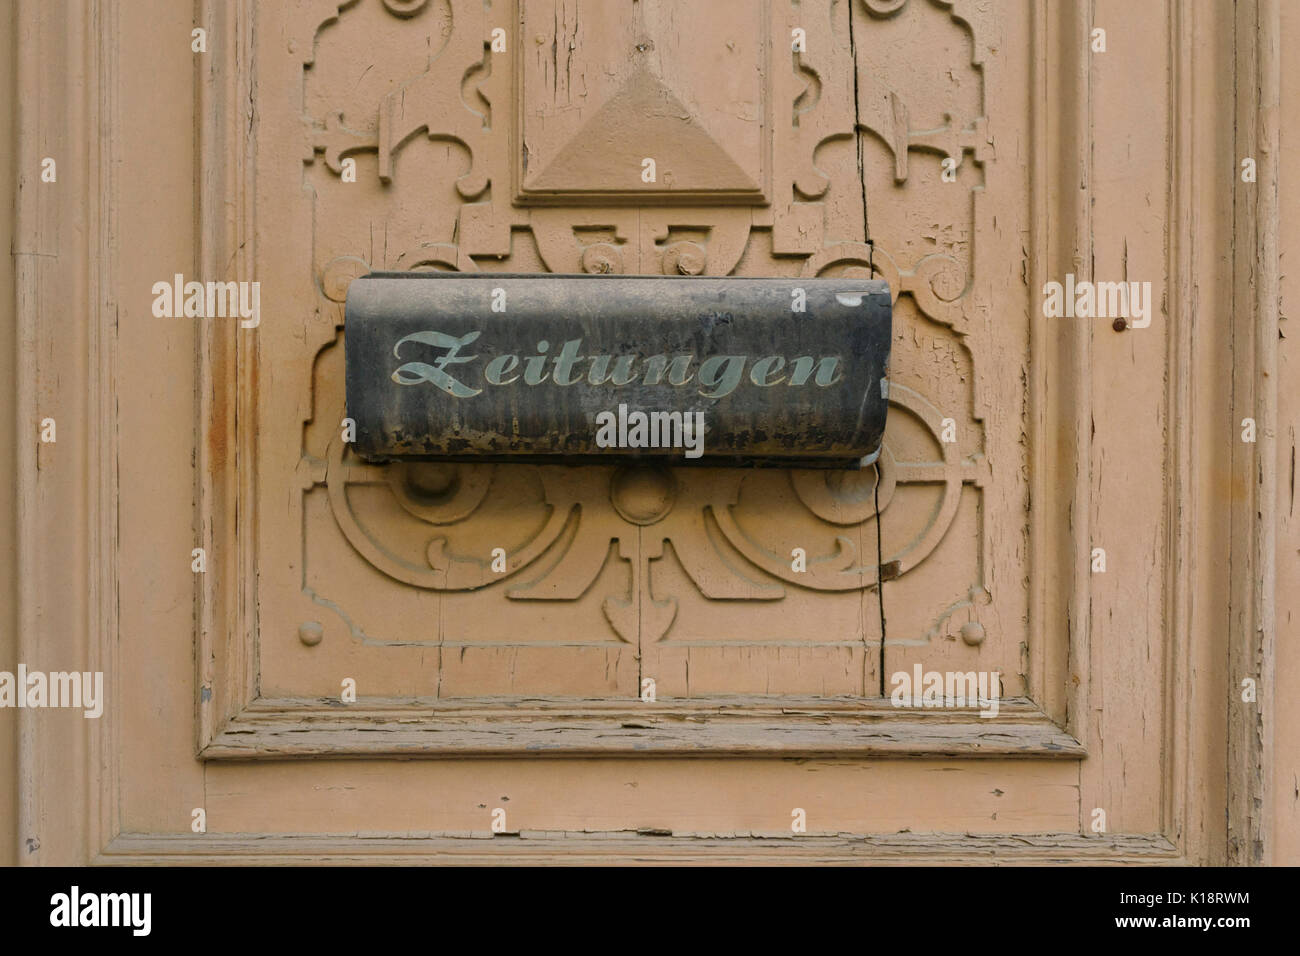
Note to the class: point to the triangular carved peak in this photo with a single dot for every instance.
(643, 120)
(671, 102)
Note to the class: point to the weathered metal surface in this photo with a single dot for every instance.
(484, 367)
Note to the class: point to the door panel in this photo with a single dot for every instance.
(684, 578)
(651, 665)
(648, 608)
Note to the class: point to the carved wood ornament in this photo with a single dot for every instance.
(532, 158)
(450, 135)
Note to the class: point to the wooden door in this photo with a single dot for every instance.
(673, 661)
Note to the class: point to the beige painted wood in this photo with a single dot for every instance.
(9, 426)
(741, 797)
(1199, 521)
(60, 374)
(1286, 717)
(1254, 388)
(1122, 686)
(702, 602)
(648, 849)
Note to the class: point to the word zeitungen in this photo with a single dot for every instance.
(718, 375)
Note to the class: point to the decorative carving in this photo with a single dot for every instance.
(405, 8)
(883, 8)
(338, 272)
(533, 160)
(643, 494)
(684, 258)
(601, 109)
(602, 258)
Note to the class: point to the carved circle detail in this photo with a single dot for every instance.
(439, 492)
(884, 8)
(602, 258)
(684, 259)
(842, 496)
(848, 501)
(643, 494)
(436, 499)
(946, 277)
(405, 8)
(338, 274)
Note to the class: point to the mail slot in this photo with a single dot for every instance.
(573, 368)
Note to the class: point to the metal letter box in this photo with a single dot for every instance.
(571, 368)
